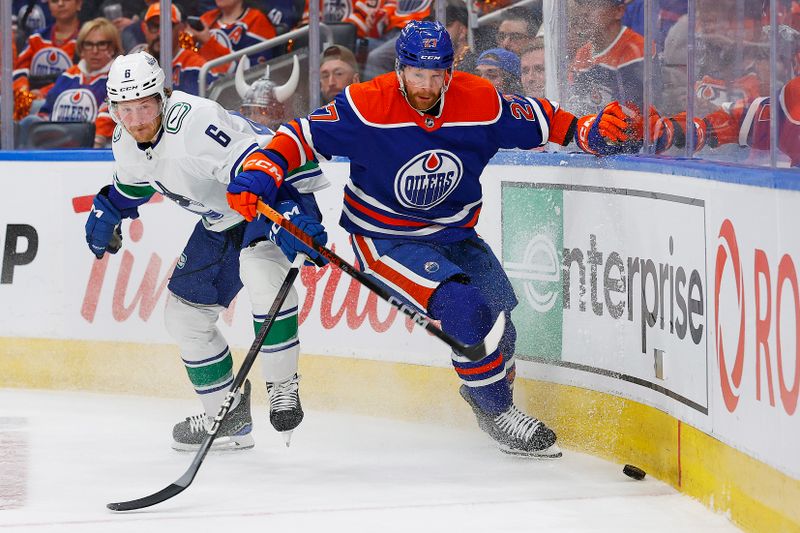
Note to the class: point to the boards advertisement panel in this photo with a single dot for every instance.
(59, 290)
(677, 292)
(681, 294)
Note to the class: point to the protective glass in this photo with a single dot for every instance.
(136, 112)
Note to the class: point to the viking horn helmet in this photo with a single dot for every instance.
(261, 90)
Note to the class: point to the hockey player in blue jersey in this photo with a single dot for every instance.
(418, 140)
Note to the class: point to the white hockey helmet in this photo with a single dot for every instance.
(135, 76)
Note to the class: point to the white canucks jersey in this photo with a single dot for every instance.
(200, 149)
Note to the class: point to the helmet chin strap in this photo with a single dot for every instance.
(448, 77)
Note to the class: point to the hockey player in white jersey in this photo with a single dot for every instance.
(188, 149)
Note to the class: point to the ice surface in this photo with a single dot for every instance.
(75, 452)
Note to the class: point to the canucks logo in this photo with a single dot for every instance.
(427, 179)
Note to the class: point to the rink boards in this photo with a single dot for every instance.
(658, 317)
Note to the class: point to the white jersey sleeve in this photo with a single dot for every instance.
(200, 149)
(217, 142)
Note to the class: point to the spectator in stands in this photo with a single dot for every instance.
(232, 26)
(727, 71)
(533, 73)
(669, 13)
(133, 38)
(485, 7)
(502, 68)
(186, 64)
(79, 92)
(393, 16)
(49, 52)
(464, 58)
(122, 13)
(517, 29)
(746, 123)
(365, 16)
(264, 102)
(337, 70)
(609, 64)
(283, 14)
(33, 16)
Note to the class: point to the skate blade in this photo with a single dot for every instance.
(221, 444)
(553, 452)
(287, 437)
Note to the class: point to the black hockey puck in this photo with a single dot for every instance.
(633, 471)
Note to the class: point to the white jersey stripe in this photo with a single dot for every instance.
(352, 217)
(461, 216)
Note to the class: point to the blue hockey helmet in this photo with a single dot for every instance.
(424, 44)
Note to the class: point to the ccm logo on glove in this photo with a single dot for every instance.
(265, 165)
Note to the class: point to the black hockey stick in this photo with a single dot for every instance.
(186, 479)
(473, 352)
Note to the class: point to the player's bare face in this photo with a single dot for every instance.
(423, 86)
(141, 117)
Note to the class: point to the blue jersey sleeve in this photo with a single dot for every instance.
(532, 122)
(335, 128)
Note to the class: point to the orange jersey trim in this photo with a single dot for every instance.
(561, 122)
(287, 147)
(469, 100)
(421, 295)
(491, 365)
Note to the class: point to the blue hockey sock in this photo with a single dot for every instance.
(465, 314)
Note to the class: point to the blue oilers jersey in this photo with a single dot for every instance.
(413, 175)
(76, 96)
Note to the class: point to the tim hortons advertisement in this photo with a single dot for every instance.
(754, 302)
(53, 287)
(611, 283)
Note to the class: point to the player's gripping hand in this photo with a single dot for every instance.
(662, 129)
(715, 129)
(289, 245)
(261, 176)
(102, 226)
(609, 132)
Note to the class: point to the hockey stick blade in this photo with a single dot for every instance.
(186, 479)
(164, 494)
(473, 352)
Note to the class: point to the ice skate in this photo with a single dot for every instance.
(515, 432)
(234, 433)
(285, 412)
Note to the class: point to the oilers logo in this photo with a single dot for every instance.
(427, 179)
(50, 60)
(75, 105)
(223, 39)
(336, 10)
(407, 7)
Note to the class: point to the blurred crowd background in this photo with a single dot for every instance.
(716, 63)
